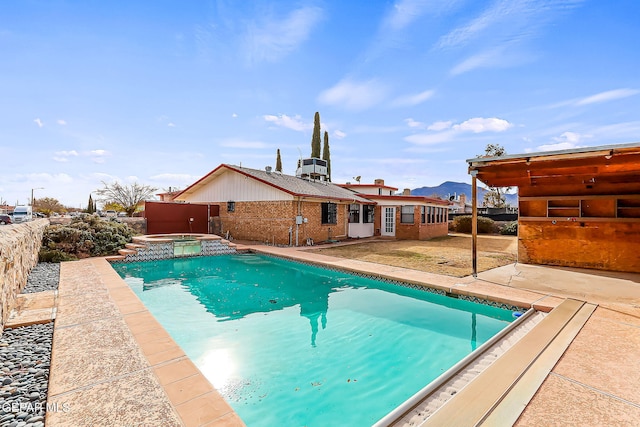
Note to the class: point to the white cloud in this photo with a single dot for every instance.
(46, 178)
(626, 130)
(566, 141)
(446, 131)
(441, 125)
(294, 123)
(413, 123)
(63, 156)
(234, 115)
(353, 95)
(67, 153)
(38, 122)
(499, 31)
(61, 122)
(609, 95)
(411, 100)
(237, 143)
(485, 59)
(274, 38)
(432, 138)
(98, 156)
(558, 146)
(404, 13)
(507, 20)
(569, 137)
(175, 177)
(479, 124)
(461, 35)
(339, 134)
(171, 124)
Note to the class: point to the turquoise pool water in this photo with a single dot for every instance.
(289, 344)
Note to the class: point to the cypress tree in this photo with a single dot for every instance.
(278, 162)
(90, 205)
(326, 154)
(315, 139)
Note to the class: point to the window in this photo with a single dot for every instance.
(368, 214)
(329, 213)
(422, 214)
(231, 206)
(354, 213)
(406, 216)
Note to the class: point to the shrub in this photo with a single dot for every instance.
(510, 228)
(47, 255)
(85, 236)
(462, 224)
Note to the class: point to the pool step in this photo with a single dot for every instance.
(125, 252)
(143, 244)
(134, 246)
(501, 392)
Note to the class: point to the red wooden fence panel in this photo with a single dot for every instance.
(167, 217)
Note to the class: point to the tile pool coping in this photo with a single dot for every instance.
(110, 352)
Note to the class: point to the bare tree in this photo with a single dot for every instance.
(127, 196)
(495, 196)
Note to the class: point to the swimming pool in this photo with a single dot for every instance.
(292, 344)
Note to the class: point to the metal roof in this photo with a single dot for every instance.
(300, 187)
(588, 166)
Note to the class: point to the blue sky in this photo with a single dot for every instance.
(162, 92)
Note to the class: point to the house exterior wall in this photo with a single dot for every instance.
(270, 221)
(232, 186)
(416, 230)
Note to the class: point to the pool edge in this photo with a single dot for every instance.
(158, 369)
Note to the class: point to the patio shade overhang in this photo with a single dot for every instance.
(612, 164)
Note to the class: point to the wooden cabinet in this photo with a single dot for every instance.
(623, 208)
(628, 208)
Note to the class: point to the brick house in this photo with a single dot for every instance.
(404, 216)
(268, 206)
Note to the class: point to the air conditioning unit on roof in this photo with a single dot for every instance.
(312, 168)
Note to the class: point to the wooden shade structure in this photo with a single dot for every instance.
(597, 188)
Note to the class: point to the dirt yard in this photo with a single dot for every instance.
(450, 255)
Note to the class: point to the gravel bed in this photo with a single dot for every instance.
(25, 357)
(45, 276)
(25, 354)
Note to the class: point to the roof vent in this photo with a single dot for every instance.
(267, 169)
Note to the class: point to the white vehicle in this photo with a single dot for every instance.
(111, 214)
(22, 214)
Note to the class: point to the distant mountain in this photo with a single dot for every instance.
(449, 188)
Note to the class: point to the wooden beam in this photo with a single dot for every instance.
(474, 223)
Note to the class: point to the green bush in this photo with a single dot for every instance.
(510, 228)
(462, 224)
(47, 255)
(85, 236)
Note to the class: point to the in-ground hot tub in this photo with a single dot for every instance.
(163, 246)
(183, 244)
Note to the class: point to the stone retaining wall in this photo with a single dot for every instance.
(19, 247)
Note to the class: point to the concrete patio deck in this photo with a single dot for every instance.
(113, 364)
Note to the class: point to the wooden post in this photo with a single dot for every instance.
(474, 222)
